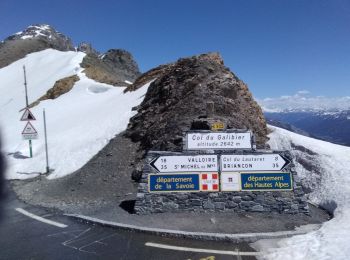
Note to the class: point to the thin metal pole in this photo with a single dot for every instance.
(25, 84)
(30, 149)
(46, 149)
(25, 87)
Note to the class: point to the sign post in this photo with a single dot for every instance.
(29, 131)
(185, 163)
(218, 140)
(46, 149)
(252, 162)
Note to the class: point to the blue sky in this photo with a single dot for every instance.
(277, 47)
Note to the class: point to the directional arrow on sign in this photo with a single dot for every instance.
(185, 163)
(253, 162)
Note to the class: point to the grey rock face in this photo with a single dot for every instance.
(87, 48)
(34, 38)
(114, 67)
(122, 63)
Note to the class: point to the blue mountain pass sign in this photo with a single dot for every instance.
(173, 182)
(264, 181)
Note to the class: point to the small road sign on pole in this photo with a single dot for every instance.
(29, 132)
(185, 163)
(252, 162)
(27, 115)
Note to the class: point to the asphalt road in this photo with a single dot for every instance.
(24, 235)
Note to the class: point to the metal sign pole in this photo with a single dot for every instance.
(25, 87)
(46, 149)
(25, 84)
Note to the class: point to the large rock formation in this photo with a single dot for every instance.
(34, 38)
(177, 100)
(115, 67)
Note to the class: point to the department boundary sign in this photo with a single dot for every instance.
(219, 172)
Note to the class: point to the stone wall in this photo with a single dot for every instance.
(287, 202)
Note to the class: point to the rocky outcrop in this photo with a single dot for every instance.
(149, 76)
(87, 48)
(115, 67)
(177, 100)
(61, 87)
(35, 38)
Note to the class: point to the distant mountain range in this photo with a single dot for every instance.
(329, 125)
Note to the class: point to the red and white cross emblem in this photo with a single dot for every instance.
(210, 181)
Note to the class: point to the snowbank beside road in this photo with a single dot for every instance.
(79, 123)
(331, 241)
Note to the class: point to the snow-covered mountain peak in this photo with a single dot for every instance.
(37, 30)
(34, 38)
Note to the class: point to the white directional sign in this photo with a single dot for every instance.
(29, 132)
(27, 115)
(218, 141)
(252, 162)
(185, 163)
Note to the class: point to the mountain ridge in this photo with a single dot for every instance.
(115, 67)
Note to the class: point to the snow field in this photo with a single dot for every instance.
(331, 241)
(79, 123)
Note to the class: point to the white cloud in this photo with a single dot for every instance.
(303, 92)
(303, 101)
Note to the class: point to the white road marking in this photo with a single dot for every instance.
(44, 220)
(200, 250)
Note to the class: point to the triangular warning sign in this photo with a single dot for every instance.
(27, 115)
(29, 129)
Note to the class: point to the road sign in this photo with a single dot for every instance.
(29, 132)
(27, 115)
(185, 163)
(218, 141)
(217, 126)
(230, 181)
(210, 181)
(173, 182)
(252, 162)
(265, 181)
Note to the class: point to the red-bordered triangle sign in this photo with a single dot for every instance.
(29, 129)
(27, 115)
